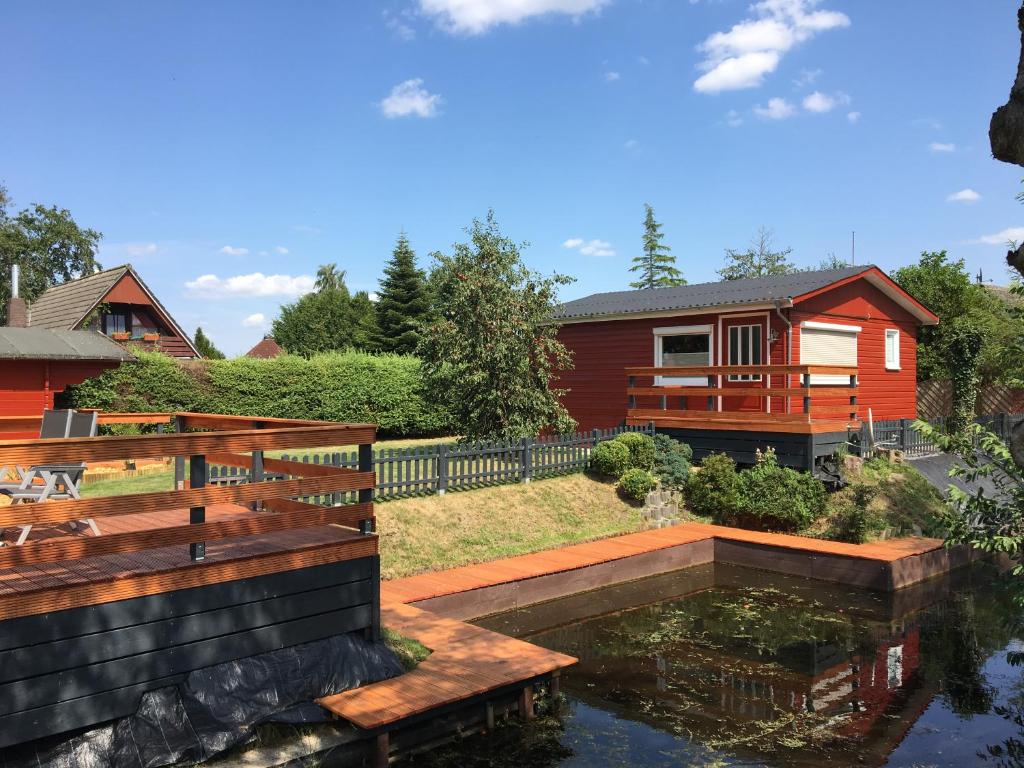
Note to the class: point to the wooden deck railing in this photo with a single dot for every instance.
(230, 440)
(703, 401)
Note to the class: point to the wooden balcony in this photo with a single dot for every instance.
(177, 579)
(749, 398)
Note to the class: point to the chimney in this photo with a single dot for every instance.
(17, 309)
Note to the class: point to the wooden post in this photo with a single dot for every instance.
(489, 715)
(366, 494)
(805, 380)
(556, 687)
(382, 751)
(526, 460)
(256, 474)
(904, 433)
(853, 395)
(526, 703)
(442, 469)
(711, 398)
(631, 382)
(179, 461)
(197, 479)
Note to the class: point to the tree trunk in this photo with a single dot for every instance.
(1006, 130)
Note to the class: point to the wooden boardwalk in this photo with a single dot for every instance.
(466, 662)
(425, 586)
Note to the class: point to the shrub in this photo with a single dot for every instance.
(636, 483)
(714, 491)
(641, 449)
(386, 390)
(671, 461)
(780, 498)
(854, 521)
(610, 458)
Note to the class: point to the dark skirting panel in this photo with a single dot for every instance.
(79, 667)
(792, 450)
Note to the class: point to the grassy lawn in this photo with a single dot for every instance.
(437, 532)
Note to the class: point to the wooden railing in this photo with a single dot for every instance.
(703, 401)
(229, 440)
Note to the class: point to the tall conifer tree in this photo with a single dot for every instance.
(403, 302)
(657, 265)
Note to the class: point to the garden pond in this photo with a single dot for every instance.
(723, 666)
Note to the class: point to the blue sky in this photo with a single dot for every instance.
(228, 148)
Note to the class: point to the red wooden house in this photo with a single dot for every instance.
(791, 361)
(117, 303)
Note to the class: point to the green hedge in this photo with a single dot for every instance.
(386, 390)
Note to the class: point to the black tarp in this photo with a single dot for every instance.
(217, 708)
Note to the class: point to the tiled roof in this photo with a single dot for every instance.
(267, 348)
(48, 344)
(62, 307)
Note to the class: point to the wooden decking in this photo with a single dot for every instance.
(37, 588)
(466, 662)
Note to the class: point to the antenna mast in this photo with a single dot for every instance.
(853, 247)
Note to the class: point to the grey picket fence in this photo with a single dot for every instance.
(429, 469)
(901, 435)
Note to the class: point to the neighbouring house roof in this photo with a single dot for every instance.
(785, 289)
(66, 306)
(267, 348)
(49, 344)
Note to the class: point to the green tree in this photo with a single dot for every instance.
(329, 277)
(831, 261)
(759, 260)
(945, 287)
(964, 343)
(403, 301)
(363, 320)
(206, 347)
(321, 321)
(657, 267)
(491, 353)
(47, 244)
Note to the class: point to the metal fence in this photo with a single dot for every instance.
(900, 434)
(429, 469)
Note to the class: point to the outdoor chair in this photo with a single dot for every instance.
(53, 424)
(59, 481)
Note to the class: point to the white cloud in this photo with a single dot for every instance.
(611, 77)
(410, 98)
(967, 195)
(475, 17)
(255, 284)
(589, 247)
(1008, 235)
(255, 320)
(806, 77)
(777, 109)
(938, 146)
(399, 24)
(230, 250)
(733, 119)
(752, 48)
(819, 102)
(281, 250)
(139, 249)
(853, 117)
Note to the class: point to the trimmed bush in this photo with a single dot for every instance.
(636, 483)
(780, 498)
(386, 390)
(714, 491)
(610, 458)
(854, 522)
(671, 462)
(641, 449)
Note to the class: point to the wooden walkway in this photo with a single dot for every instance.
(425, 586)
(466, 662)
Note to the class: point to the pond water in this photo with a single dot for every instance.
(723, 666)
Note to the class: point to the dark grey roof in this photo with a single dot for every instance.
(727, 292)
(64, 306)
(48, 344)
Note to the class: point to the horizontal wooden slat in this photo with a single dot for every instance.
(57, 549)
(64, 450)
(109, 506)
(742, 370)
(738, 424)
(742, 391)
(222, 421)
(275, 466)
(758, 416)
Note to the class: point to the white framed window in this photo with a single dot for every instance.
(745, 349)
(828, 344)
(682, 345)
(892, 349)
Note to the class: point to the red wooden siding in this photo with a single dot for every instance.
(27, 387)
(128, 291)
(889, 394)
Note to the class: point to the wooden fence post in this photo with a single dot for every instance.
(442, 469)
(526, 460)
(179, 461)
(366, 494)
(805, 380)
(904, 433)
(197, 479)
(256, 474)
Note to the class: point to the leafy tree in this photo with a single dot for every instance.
(47, 244)
(963, 347)
(491, 354)
(403, 302)
(831, 261)
(206, 347)
(759, 260)
(945, 287)
(328, 319)
(656, 266)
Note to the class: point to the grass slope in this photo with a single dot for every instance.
(436, 532)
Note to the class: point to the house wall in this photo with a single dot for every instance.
(128, 291)
(27, 388)
(601, 350)
(889, 394)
